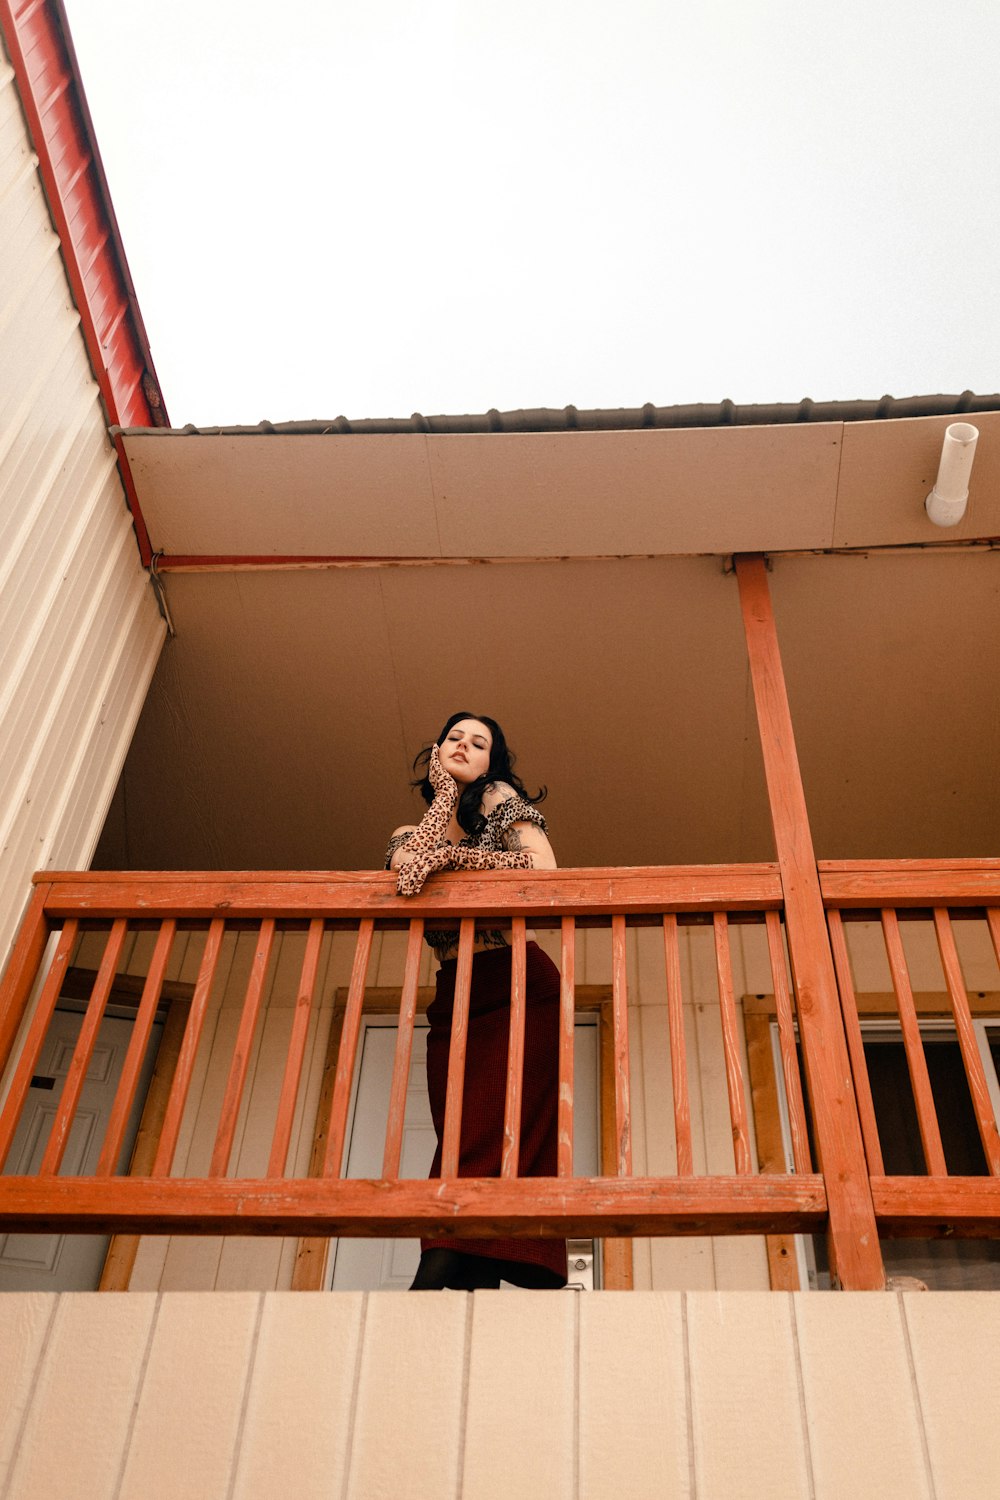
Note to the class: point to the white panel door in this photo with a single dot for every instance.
(69, 1262)
(390, 1264)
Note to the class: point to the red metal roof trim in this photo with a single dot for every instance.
(36, 35)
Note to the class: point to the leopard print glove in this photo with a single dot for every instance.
(455, 857)
(432, 830)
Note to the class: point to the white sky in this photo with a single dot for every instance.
(388, 207)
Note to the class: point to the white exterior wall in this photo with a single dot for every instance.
(80, 631)
(500, 1394)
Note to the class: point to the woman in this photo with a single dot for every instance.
(480, 817)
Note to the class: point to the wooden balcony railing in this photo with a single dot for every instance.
(935, 894)
(360, 905)
(107, 910)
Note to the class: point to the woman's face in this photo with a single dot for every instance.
(465, 753)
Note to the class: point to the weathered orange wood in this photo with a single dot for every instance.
(910, 882)
(974, 1070)
(189, 1050)
(404, 1052)
(762, 1076)
(511, 1154)
(786, 1044)
(452, 1134)
(348, 1051)
(945, 866)
(731, 1046)
(18, 978)
(350, 894)
(938, 1207)
(855, 1043)
(678, 1047)
(567, 1040)
(853, 1243)
(993, 922)
(76, 1073)
(619, 1022)
(533, 1207)
(233, 1096)
(295, 1055)
(135, 1056)
(34, 1041)
(123, 1249)
(916, 1062)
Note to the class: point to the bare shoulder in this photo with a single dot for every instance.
(495, 793)
(403, 828)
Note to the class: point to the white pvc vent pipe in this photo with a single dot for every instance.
(947, 500)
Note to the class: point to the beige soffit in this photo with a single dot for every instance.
(286, 710)
(664, 492)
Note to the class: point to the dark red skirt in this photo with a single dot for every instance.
(481, 1143)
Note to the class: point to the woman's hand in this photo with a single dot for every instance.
(415, 871)
(442, 781)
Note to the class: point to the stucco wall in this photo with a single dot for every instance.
(500, 1394)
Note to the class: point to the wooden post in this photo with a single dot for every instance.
(855, 1257)
(19, 976)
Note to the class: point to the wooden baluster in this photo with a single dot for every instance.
(134, 1057)
(76, 1074)
(619, 1019)
(567, 1038)
(348, 1051)
(923, 1097)
(678, 1047)
(18, 978)
(510, 1158)
(235, 1083)
(855, 1257)
(34, 1041)
(993, 922)
(296, 1050)
(404, 1052)
(786, 1043)
(855, 1044)
(184, 1070)
(731, 1046)
(451, 1142)
(974, 1071)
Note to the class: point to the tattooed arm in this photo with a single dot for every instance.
(520, 836)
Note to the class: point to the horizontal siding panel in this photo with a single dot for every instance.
(32, 620)
(35, 332)
(73, 720)
(93, 787)
(79, 627)
(499, 1394)
(49, 697)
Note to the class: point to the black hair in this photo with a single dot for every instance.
(500, 768)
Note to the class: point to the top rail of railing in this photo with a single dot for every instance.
(633, 890)
(874, 883)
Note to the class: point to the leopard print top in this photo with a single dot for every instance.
(492, 838)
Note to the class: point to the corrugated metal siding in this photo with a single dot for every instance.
(79, 629)
(501, 1394)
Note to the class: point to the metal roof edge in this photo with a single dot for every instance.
(55, 106)
(615, 419)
